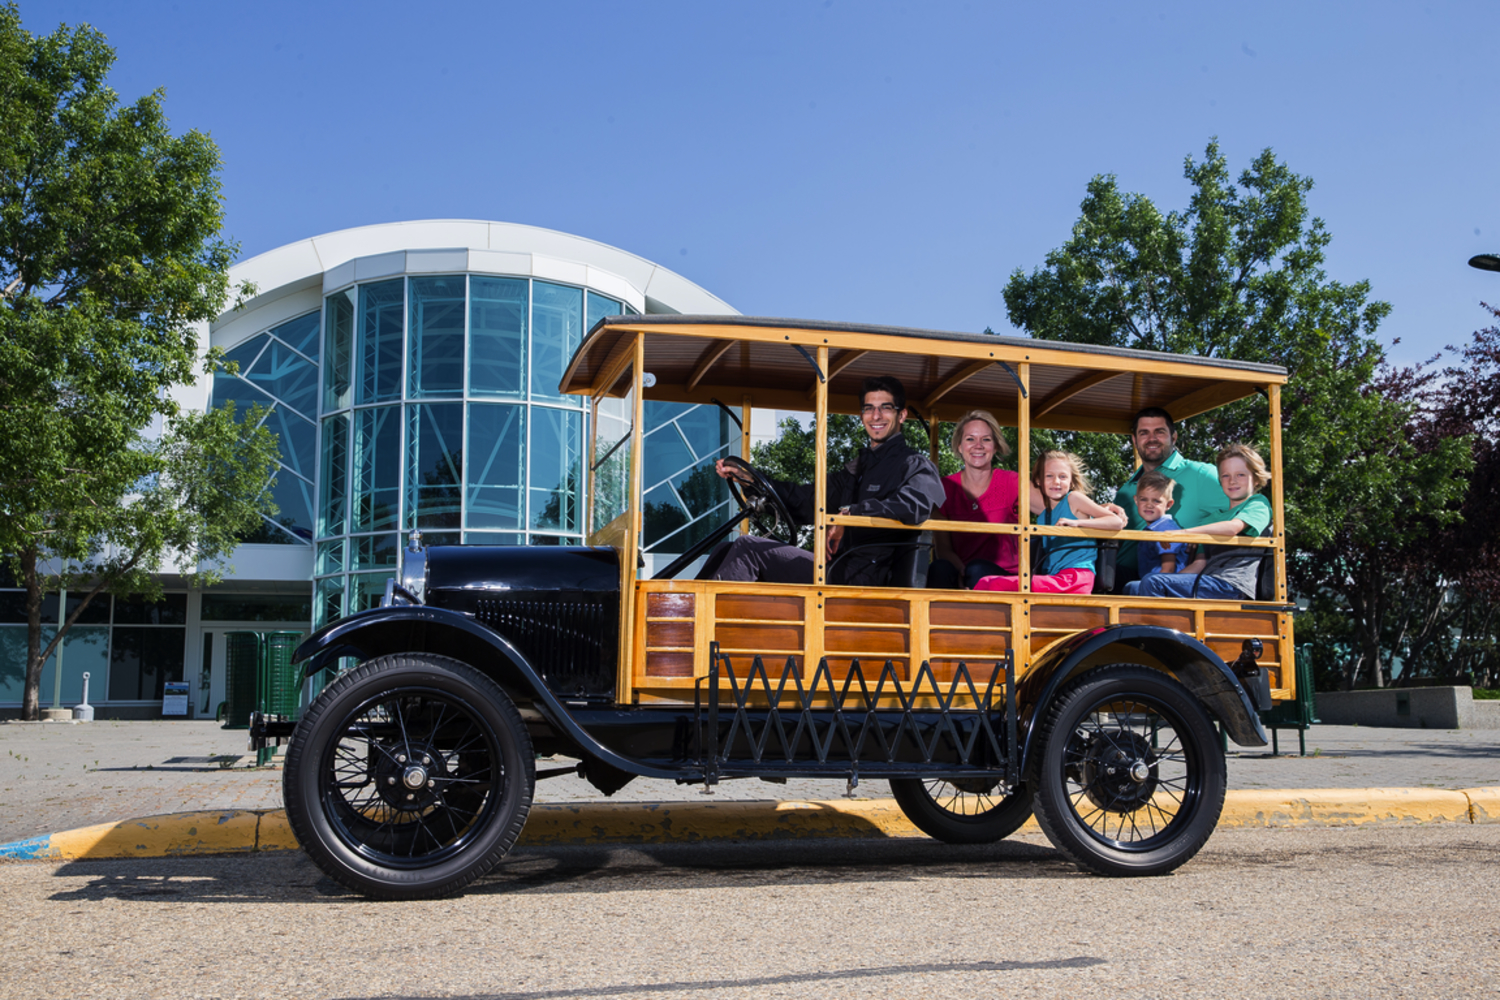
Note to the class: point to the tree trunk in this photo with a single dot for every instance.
(31, 693)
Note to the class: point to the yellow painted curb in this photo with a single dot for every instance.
(1484, 804)
(158, 836)
(274, 832)
(1343, 807)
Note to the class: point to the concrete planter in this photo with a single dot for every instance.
(1413, 708)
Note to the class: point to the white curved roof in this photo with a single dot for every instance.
(335, 259)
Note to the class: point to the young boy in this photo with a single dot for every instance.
(1153, 499)
(1225, 572)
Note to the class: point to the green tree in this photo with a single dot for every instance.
(1239, 274)
(109, 259)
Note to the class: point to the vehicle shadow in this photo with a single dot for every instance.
(289, 876)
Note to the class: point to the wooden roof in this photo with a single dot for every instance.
(1072, 386)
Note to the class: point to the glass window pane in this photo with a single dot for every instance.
(492, 538)
(244, 355)
(170, 610)
(666, 454)
(435, 473)
(497, 336)
(236, 392)
(366, 590)
(293, 496)
(297, 437)
(301, 333)
(437, 336)
(556, 469)
(287, 375)
(599, 307)
(431, 538)
(556, 328)
(84, 649)
(662, 514)
(141, 660)
(330, 558)
(495, 466)
(338, 367)
(328, 601)
(375, 551)
(333, 483)
(708, 431)
(375, 461)
(257, 607)
(381, 328)
(612, 426)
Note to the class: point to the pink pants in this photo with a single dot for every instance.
(1069, 581)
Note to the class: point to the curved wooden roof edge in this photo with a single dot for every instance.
(1013, 348)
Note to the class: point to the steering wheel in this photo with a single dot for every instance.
(760, 502)
(757, 500)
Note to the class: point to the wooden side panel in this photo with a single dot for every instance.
(669, 633)
(869, 667)
(1176, 618)
(768, 638)
(867, 611)
(1067, 617)
(971, 615)
(968, 645)
(670, 605)
(865, 641)
(669, 664)
(980, 672)
(1240, 623)
(761, 607)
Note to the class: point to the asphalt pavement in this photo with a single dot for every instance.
(61, 776)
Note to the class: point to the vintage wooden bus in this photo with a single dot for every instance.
(412, 772)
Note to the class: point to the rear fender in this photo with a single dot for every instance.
(424, 629)
(1194, 665)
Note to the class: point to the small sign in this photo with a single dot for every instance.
(174, 698)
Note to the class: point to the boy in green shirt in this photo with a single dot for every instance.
(1225, 572)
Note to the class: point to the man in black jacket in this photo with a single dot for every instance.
(888, 478)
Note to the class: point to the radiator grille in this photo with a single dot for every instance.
(570, 639)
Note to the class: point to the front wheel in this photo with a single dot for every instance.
(963, 811)
(409, 777)
(1130, 776)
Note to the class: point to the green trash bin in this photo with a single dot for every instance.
(1300, 713)
(260, 677)
(241, 676)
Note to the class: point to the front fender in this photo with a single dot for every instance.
(424, 629)
(1193, 664)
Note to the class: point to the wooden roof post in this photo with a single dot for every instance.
(1023, 471)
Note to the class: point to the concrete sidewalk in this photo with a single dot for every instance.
(61, 777)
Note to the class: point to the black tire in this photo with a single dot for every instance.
(409, 777)
(1129, 777)
(966, 811)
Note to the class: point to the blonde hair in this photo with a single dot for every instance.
(988, 419)
(1079, 471)
(1259, 474)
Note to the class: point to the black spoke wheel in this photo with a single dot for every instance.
(1130, 776)
(963, 810)
(409, 777)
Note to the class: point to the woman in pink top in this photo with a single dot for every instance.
(981, 493)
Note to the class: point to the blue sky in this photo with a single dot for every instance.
(872, 161)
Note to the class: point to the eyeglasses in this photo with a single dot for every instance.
(870, 409)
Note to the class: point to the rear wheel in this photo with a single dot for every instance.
(1130, 776)
(409, 777)
(963, 811)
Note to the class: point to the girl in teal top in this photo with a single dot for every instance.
(1067, 563)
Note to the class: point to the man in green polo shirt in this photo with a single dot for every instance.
(1197, 498)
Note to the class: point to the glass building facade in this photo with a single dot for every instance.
(430, 402)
